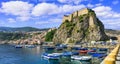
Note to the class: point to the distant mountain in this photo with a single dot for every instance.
(111, 31)
(20, 29)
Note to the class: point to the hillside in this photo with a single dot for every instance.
(21, 29)
(12, 36)
(80, 26)
(111, 31)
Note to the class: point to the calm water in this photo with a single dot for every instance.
(11, 55)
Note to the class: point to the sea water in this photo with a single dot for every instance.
(11, 55)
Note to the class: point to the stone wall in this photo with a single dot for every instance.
(77, 13)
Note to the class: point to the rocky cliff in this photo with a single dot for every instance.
(82, 28)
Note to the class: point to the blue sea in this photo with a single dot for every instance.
(11, 55)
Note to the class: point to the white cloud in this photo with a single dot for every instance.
(70, 8)
(112, 23)
(50, 9)
(11, 20)
(41, 22)
(90, 5)
(115, 2)
(99, 4)
(17, 8)
(49, 21)
(71, 1)
(110, 18)
(106, 12)
(23, 18)
(44, 9)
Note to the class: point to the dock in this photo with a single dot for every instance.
(113, 57)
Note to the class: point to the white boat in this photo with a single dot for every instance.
(84, 58)
(30, 46)
(18, 46)
(52, 56)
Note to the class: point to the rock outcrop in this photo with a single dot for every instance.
(81, 26)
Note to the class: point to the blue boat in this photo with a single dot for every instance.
(84, 49)
(53, 56)
(49, 48)
(18, 46)
(103, 49)
(98, 55)
(75, 48)
(95, 49)
(59, 48)
(66, 53)
(75, 53)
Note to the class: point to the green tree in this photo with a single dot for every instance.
(49, 35)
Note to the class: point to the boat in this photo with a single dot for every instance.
(83, 51)
(49, 48)
(18, 46)
(99, 55)
(61, 45)
(75, 53)
(81, 58)
(103, 49)
(52, 56)
(30, 46)
(95, 49)
(66, 53)
(59, 48)
(76, 48)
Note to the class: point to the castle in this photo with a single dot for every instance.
(77, 13)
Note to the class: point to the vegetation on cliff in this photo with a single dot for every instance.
(49, 35)
(83, 28)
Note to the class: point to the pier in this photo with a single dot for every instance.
(113, 57)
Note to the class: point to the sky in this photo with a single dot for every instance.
(49, 13)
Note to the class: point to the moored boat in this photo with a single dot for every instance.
(30, 46)
(81, 58)
(18, 46)
(49, 48)
(75, 53)
(53, 56)
(83, 51)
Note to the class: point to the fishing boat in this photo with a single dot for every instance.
(83, 51)
(81, 58)
(30, 46)
(75, 53)
(52, 56)
(49, 48)
(18, 46)
(76, 48)
(103, 49)
(59, 48)
(99, 55)
(66, 53)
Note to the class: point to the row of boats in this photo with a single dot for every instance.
(76, 53)
(21, 46)
(56, 56)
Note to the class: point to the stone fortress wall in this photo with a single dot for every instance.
(77, 13)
